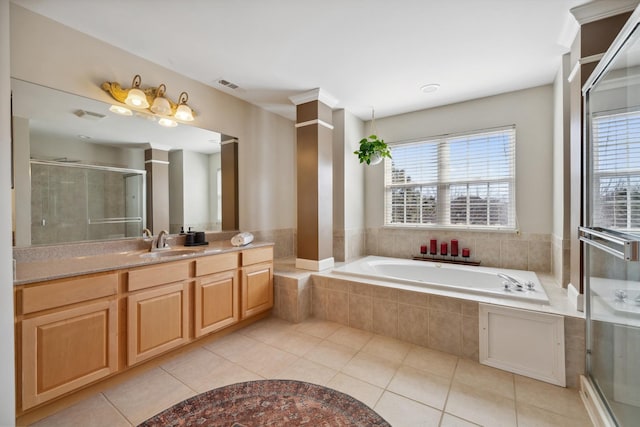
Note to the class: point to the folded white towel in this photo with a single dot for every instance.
(242, 239)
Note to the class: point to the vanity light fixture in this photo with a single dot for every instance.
(183, 112)
(150, 100)
(136, 97)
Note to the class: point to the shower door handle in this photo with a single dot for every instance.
(629, 246)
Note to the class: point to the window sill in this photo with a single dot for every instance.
(451, 228)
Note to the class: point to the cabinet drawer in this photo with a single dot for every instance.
(216, 263)
(255, 256)
(147, 277)
(65, 292)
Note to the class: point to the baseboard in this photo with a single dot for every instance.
(595, 408)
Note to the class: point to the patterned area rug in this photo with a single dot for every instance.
(269, 403)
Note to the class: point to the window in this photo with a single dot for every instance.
(616, 170)
(458, 181)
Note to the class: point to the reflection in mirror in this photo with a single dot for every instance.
(79, 171)
(72, 202)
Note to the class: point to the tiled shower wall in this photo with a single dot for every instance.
(69, 204)
(523, 251)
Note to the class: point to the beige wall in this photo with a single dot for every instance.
(48, 53)
(7, 371)
(354, 131)
(561, 187)
(531, 110)
(348, 182)
(22, 181)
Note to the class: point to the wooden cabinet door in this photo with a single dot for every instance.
(257, 289)
(67, 349)
(158, 320)
(216, 302)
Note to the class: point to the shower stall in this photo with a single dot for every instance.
(73, 202)
(611, 231)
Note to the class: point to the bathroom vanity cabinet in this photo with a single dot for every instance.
(73, 332)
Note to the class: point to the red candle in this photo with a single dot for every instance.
(433, 247)
(423, 249)
(443, 248)
(454, 247)
(466, 252)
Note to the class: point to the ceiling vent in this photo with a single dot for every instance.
(89, 115)
(228, 84)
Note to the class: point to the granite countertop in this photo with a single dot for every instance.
(62, 267)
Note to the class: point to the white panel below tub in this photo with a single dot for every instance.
(524, 342)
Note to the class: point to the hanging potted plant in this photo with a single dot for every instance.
(372, 149)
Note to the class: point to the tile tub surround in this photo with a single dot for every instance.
(348, 244)
(292, 293)
(524, 251)
(407, 384)
(438, 322)
(441, 323)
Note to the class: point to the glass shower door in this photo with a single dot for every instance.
(612, 281)
(611, 236)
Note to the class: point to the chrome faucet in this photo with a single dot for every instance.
(159, 242)
(146, 233)
(512, 281)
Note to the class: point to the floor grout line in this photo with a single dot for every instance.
(270, 330)
(113, 405)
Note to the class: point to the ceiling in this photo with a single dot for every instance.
(365, 53)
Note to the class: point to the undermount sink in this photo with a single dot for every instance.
(169, 252)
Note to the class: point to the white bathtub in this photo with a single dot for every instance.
(451, 277)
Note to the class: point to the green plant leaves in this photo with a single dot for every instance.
(371, 146)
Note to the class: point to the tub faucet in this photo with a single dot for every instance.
(511, 281)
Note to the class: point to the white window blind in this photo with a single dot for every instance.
(459, 181)
(616, 170)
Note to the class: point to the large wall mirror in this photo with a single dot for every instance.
(80, 171)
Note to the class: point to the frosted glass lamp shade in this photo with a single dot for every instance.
(183, 112)
(136, 98)
(161, 106)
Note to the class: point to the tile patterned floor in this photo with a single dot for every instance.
(406, 384)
